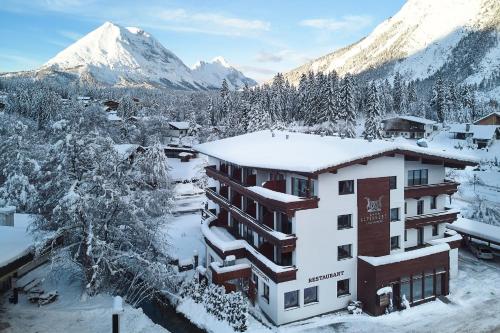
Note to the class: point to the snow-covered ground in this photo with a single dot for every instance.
(70, 312)
(184, 235)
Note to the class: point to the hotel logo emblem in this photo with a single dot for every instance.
(374, 206)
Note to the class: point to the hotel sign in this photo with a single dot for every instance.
(326, 276)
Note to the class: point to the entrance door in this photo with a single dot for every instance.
(420, 236)
(396, 298)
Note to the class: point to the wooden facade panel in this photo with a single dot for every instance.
(431, 190)
(430, 219)
(373, 216)
(371, 278)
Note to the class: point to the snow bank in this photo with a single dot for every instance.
(274, 195)
(404, 256)
(475, 228)
(384, 290)
(307, 152)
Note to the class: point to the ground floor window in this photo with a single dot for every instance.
(429, 284)
(255, 280)
(292, 299)
(405, 289)
(311, 295)
(342, 287)
(265, 292)
(394, 242)
(417, 288)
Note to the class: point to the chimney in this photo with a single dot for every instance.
(467, 127)
(7, 216)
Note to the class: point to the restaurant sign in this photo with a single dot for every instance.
(326, 276)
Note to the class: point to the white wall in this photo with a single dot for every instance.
(318, 238)
(436, 173)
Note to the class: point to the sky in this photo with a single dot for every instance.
(259, 37)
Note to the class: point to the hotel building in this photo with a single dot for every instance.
(304, 224)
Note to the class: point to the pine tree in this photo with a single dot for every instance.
(373, 125)
(438, 100)
(347, 110)
(398, 94)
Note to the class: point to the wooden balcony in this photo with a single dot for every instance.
(447, 216)
(286, 242)
(286, 207)
(418, 191)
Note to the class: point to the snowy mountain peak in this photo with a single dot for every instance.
(118, 56)
(220, 60)
(456, 38)
(215, 71)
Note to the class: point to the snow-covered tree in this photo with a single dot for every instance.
(373, 124)
(347, 109)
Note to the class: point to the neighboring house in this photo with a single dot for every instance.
(305, 224)
(16, 246)
(178, 128)
(491, 119)
(481, 135)
(409, 127)
(111, 105)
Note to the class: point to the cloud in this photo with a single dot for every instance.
(256, 69)
(70, 34)
(346, 23)
(207, 22)
(268, 57)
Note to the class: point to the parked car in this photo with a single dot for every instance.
(481, 251)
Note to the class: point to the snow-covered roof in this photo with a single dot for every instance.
(7, 209)
(482, 132)
(404, 256)
(181, 125)
(112, 116)
(15, 241)
(307, 152)
(414, 119)
(475, 228)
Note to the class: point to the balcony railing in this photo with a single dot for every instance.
(276, 205)
(417, 191)
(447, 216)
(284, 241)
(242, 250)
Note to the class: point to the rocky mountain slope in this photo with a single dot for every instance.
(459, 39)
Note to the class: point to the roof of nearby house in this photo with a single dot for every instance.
(481, 132)
(15, 241)
(180, 125)
(413, 119)
(313, 153)
(488, 115)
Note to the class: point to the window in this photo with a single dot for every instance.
(392, 182)
(346, 187)
(292, 299)
(311, 295)
(344, 252)
(417, 288)
(433, 202)
(406, 235)
(265, 292)
(406, 207)
(342, 287)
(299, 187)
(255, 280)
(429, 284)
(420, 207)
(394, 214)
(405, 289)
(394, 242)
(344, 221)
(435, 230)
(417, 177)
